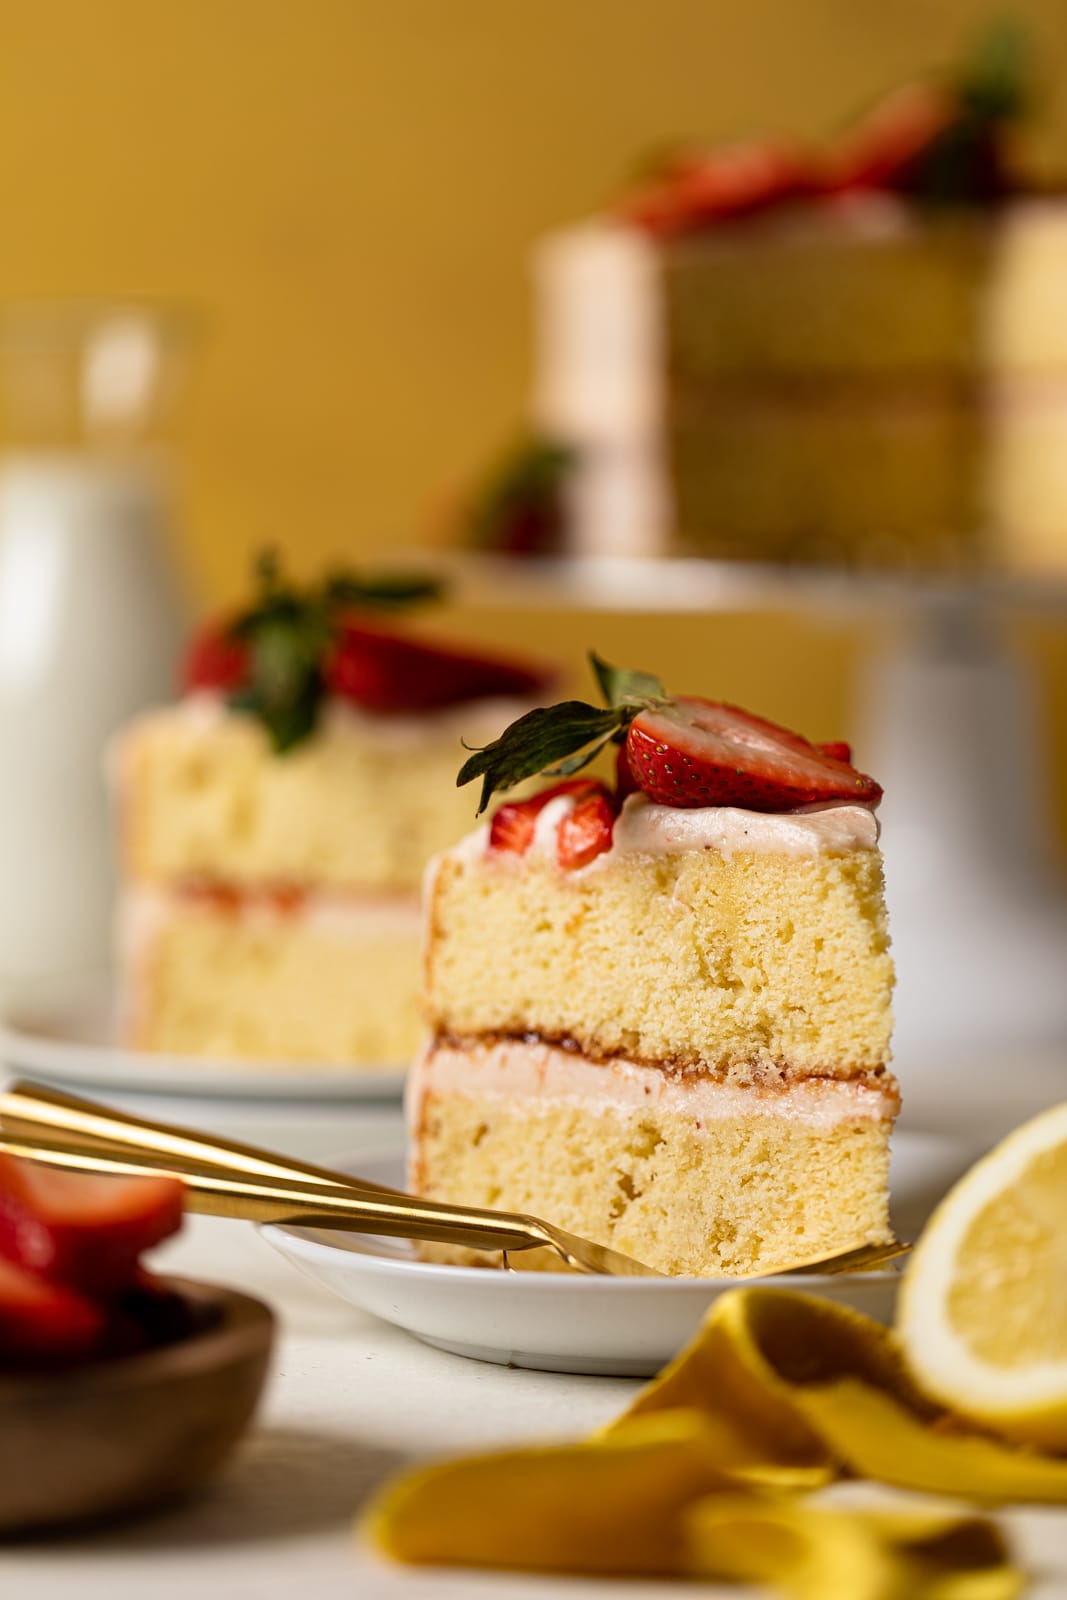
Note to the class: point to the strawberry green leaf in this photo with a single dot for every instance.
(289, 633)
(560, 740)
(575, 763)
(535, 742)
(995, 82)
(971, 160)
(621, 687)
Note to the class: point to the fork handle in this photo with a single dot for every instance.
(273, 1200)
(33, 1109)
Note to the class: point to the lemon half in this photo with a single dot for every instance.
(983, 1309)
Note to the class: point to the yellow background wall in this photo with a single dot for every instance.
(348, 189)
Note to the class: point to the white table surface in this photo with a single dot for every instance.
(352, 1399)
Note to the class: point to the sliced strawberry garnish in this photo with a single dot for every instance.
(585, 832)
(214, 660)
(45, 1322)
(385, 672)
(83, 1230)
(513, 823)
(512, 827)
(701, 189)
(701, 753)
(884, 148)
(838, 750)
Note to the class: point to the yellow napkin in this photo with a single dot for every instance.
(794, 1379)
(812, 1553)
(649, 1500)
(609, 1506)
(779, 1393)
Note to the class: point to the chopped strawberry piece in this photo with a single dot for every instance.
(45, 1322)
(838, 750)
(700, 190)
(512, 827)
(513, 823)
(883, 149)
(83, 1230)
(214, 660)
(386, 672)
(585, 832)
(701, 753)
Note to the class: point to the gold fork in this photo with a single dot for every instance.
(226, 1178)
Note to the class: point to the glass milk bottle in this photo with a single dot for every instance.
(90, 617)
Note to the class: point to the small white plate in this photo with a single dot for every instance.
(72, 1040)
(559, 1322)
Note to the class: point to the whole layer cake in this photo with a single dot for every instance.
(858, 355)
(661, 1022)
(273, 837)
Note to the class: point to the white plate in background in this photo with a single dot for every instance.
(71, 1040)
(563, 1322)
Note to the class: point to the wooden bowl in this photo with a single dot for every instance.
(123, 1435)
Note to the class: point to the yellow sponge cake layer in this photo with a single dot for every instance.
(750, 946)
(324, 978)
(361, 805)
(684, 1173)
(678, 1048)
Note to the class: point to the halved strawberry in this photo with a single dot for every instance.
(702, 753)
(80, 1229)
(385, 672)
(585, 832)
(883, 148)
(214, 660)
(512, 826)
(45, 1322)
(701, 189)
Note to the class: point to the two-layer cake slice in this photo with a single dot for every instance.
(273, 850)
(666, 1026)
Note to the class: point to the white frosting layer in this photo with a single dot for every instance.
(645, 828)
(515, 1068)
(145, 910)
(546, 832)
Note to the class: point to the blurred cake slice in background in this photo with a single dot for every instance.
(274, 825)
(856, 355)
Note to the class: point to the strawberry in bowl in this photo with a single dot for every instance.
(70, 1260)
(119, 1388)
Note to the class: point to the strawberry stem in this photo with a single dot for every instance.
(560, 740)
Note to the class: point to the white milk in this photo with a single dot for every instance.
(90, 631)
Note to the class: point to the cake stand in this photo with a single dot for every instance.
(948, 721)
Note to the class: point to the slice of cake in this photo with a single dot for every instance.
(661, 1014)
(275, 824)
(856, 355)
